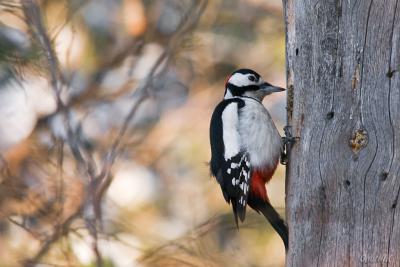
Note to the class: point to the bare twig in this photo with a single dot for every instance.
(36, 25)
(34, 20)
(10, 4)
(23, 226)
(60, 230)
(91, 226)
(98, 183)
(187, 24)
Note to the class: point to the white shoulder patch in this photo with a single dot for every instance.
(228, 94)
(230, 130)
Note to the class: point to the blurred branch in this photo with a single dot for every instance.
(182, 244)
(91, 226)
(9, 6)
(104, 47)
(189, 245)
(98, 184)
(34, 20)
(191, 18)
(74, 8)
(23, 226)
(60, 230)
(132, 47)
(60, 186)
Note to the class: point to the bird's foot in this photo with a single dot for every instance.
(288, 140)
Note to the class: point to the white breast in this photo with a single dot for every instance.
(258, 134)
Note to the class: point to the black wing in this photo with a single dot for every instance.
(233, 173)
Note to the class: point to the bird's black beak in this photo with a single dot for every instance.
(269, 89)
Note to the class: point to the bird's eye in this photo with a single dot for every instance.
(252, 78)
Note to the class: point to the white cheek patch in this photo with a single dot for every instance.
(230, 123)
(239, 79)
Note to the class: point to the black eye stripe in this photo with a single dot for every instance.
(237, 91)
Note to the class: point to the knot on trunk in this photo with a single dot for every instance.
(359, 140)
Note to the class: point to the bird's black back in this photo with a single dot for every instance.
(233, 174)
(216, 135)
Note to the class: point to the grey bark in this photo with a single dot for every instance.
(343, 183)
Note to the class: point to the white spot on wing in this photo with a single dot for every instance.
(234, 165)
(243, 187)
(230, 135)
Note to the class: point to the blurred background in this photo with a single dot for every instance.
(104, 114)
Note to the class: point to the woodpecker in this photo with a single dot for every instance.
(246, 147)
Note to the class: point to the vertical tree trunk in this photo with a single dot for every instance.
(343, 184)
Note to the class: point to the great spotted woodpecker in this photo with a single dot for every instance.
(246, 147)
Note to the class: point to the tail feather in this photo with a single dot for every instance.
(235, 214)
(276, 221)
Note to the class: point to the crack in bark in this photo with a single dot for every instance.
(376, 193)
(320, 141)
(379, 183)
(333, 98)
(365, 180)
(324, 128)
(391, 125)
(320, 237)
(362, 61)
(340, 197)
(392, 222)
(390, 85)
(346, 235)
(311, 138)
(361, 118)
(322, 183)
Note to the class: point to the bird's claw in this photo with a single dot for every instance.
(288, 140)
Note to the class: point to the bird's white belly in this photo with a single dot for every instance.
(258, 134)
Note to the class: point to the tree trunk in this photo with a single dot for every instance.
(343, 179)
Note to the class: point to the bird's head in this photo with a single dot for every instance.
(246, 82)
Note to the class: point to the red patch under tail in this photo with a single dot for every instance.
(259, 178)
